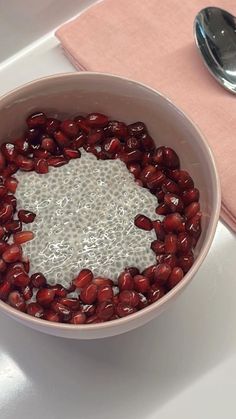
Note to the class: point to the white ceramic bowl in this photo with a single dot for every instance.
(129, 101)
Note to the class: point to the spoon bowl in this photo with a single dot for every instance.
(215, 36)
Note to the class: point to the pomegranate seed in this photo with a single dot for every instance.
(95, 138)
(132, 143)
(48, 144)
(38, 280)
(3, 266)
(125, 281)
(132, 270)
(26, 217)
(96, 120)
(158, 157)
(13, 226)
(12, 254)
(41, 154)
(3, 246)
(105, 310)
(147, 158)
(57, 161)
(41, 166)
(3, 191)
(149, 272)
(51, 316)
(160, 195)
(26, 264)
(70, 128)
(162, 209)
(117, 129)
(147, 172)
(72, 303)
(93, 319)
(84, 278)
(33, 137)
(105, 293)
(61, 139)
(52, 125)
(70, 153)
(131, 156)
(170, 259)
(184, 243)
(170, 243)
(129, 297)
(6, 212)
(35, 310)
(3, 230)
(186, 262)
(190, 195)
(100, 281)
(45, 296)
(88, 310)
(112, 145)
(162, 273)
(5, 289)
(173, 223)
(185, 181)
(134, 168)
(155, 180)
(169, 185)
(79, 141)
(37, 119)
(147, 142)
(175, 277)
(173, 202)
(11, 184)
(173, 174)
(78, 318)
(192, 209)
(62, 310)
(159, 230)
(158, 247)
(170, 158)
(88, 294)
(143, 222)
(141, 283)
(137, 129)
(18, 277)
(143, 302)
(27, 293)
(24, 163)
(9, 151)
(16, 300)
(11, 200)
(193, 226)
(155, 293)
(23, 237)
(123, 310)
(59, 290)
(2, 161)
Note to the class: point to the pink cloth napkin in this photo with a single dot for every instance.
(152, 42)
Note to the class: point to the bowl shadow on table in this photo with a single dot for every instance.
(134, 374)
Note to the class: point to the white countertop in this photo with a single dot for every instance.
(181, 365)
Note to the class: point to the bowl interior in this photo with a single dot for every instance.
(72, 94)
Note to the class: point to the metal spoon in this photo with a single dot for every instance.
(215, 36)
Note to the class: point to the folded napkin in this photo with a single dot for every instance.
(152, 42)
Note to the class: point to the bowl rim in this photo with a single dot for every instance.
(26, 318)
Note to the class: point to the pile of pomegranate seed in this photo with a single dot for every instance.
(91, 299)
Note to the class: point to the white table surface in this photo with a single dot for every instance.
(181, 365)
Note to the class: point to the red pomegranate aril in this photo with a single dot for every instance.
(40, 166)
(23, 237)
(173, 174)
(57, 161)
(143, 302)
(149, 272)
(12, 254)
(10, 169)
(70, 128)
(33, 136)
(95, 138)
(3, 230)
(79, 141)
(155, 180)
(158, 156)
(131, 156)
(147, 159)
(186, 262)
(52, 125)
(93, 319)
(160, 195)
(105, 310)
(26, 264)
(184, 243)
(5, 288)
(185, 181)
(124, 309)
(26, 217)
(100, 281)
(125, 281)
(48, 144)
(169, 185)
(61, 139)
(88, 309)
(88, 293)
(72, 303)
(6, 212)
(170, 158)
(162, 273)
(2, 161)
(193, 226)
(137, 129)
(27, 293)
(132, 270)
(45, 296)
(79, 118)
(41, 154)
(26, 164)
(112, 145)
(104, 293)
(9, 151)
(129, 297)
(70, 153)
(147, 142)
(170, 259)
(141, 283)
(191, 210)
(143, 222)
(173, 202)
(173, 223)
(96, 120)
(62, 310)
(11, 200)
(51, 316)
(3, 191)
(117, 129)
(155, 293)
(16, 300)
(147, 172)
(37, 119)
(11, 184)
(60, 291)
(3, 265)
(158, 247)
(159, 230)
(78, 318)
(35, 310)
(19, 278)
(171, 243)
(84, 278)
(175, 277)
(134, 168)
(38, 280)
(162, 209)
(3, 246)
(190, 195)
(132, 143)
